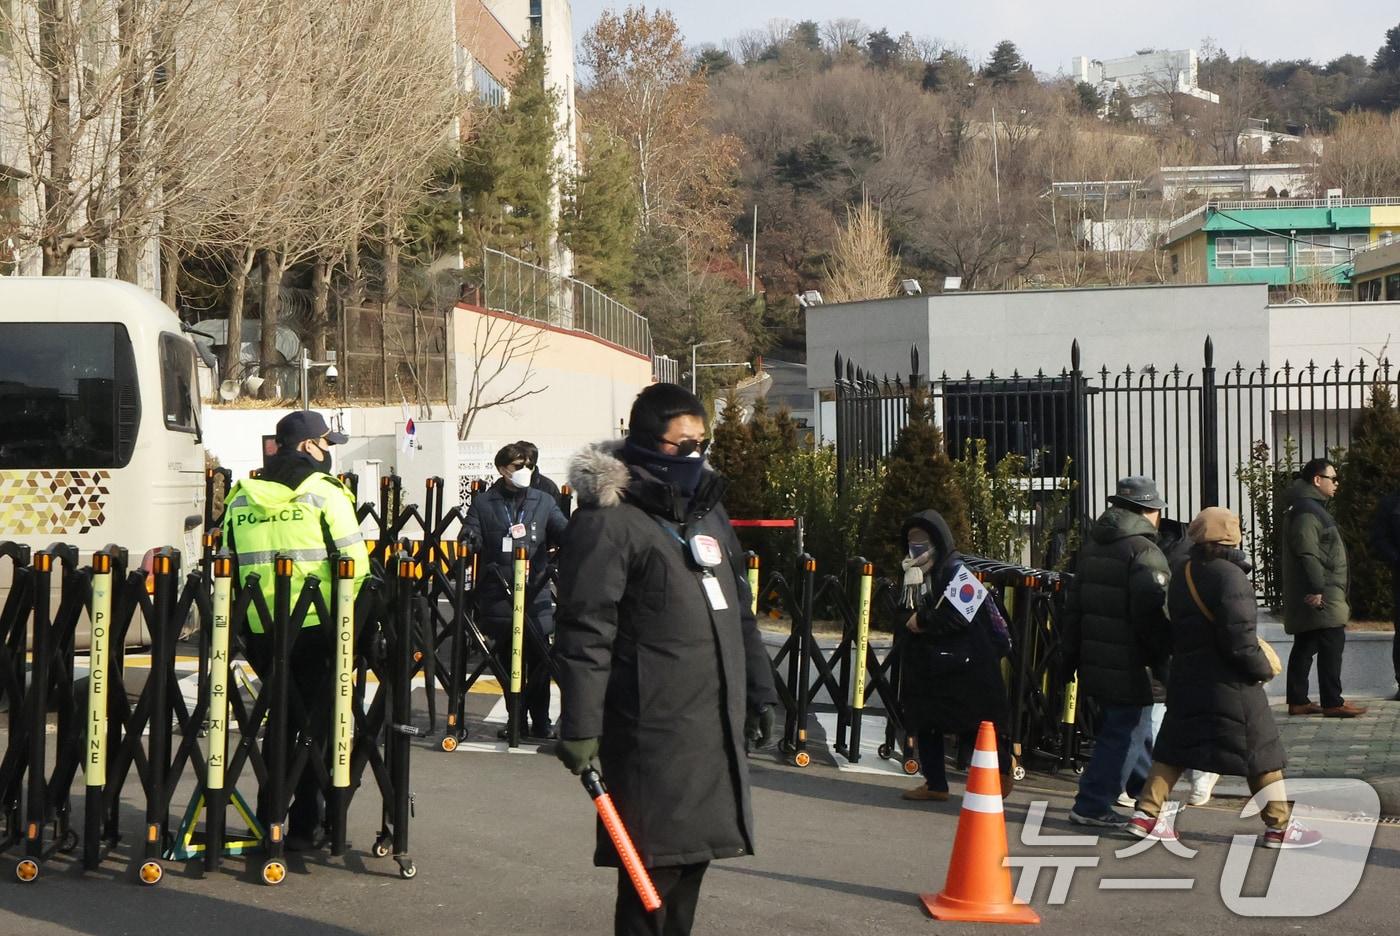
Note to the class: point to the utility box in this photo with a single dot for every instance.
(431, 452)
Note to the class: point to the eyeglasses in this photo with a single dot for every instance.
(688, 447)
(1328, 477)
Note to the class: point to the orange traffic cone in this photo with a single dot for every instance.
(978, 889)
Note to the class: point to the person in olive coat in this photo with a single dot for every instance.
(1218, 718)
(663, 672)
(1115, 635)
(1315, 609)
(950, 667)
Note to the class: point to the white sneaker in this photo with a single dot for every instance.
(1126, 801)
(1202, 786)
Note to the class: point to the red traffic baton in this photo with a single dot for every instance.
(631, 861)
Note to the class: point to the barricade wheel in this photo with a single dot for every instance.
(408, 870)
(801, 758)
(380, 849)
(911, 766)
(1018, 772)
(1078, 769)
(69, 843)
(449, 743)
(27, 870)
(150, 873)
(273, 873)
(884, 751)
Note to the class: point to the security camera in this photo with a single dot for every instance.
(332, 375)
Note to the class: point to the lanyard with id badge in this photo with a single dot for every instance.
(706, 553)
(516, 532)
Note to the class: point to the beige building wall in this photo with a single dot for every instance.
(583, 386)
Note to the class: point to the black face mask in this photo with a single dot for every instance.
(681, 472)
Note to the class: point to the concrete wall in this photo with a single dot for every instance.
(1346, 331)
(584, 385)
(1030, 330)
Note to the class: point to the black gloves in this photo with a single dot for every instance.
(758, 727)
(578, 754)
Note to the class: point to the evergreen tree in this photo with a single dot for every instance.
(509, 168)
(712, 61)
(1005, 65)
(918, 476)
(1370, 470)
(599, 216)
(808, 35)
(1090, 99)
(882, 49)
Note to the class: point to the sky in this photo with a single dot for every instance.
(1051, 32)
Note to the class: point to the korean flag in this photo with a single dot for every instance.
(965, 593)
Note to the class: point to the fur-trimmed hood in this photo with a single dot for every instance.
(598, 474)
(600, 478)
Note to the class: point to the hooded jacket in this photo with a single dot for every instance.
(1314, 562)
(648, 665)
(950, 671)
(1117, 634)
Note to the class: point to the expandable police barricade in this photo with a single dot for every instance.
(1045, 724)
(111, 731)
(452, 652)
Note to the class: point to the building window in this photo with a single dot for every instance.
(1233, 253)
(1369, 291)
(1176, 264)
(1392, 287)
(489, 91)
(1329, 249)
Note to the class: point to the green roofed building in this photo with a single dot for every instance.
(1277, 242)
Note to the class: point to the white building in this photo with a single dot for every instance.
(1145, 75)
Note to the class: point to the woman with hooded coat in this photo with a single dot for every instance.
(1218, 717)
(950, 675)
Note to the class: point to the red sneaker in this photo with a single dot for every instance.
(1144, 826)
(1294, 835)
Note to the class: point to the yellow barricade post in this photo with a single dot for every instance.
(517, 644)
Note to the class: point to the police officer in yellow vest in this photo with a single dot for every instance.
(295, 509)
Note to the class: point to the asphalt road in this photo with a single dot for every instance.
(503, 845)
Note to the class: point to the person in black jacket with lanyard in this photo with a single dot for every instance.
(663, 672)
(506, 515)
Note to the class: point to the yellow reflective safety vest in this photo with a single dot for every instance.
(265, 519)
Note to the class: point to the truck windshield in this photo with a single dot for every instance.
(69, 396)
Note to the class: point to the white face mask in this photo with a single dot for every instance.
(521, 478)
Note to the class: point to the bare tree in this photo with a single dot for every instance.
(502, 368)
(105, 98)
(843, 32)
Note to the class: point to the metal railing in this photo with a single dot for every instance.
(519, 288)
(1206, 434)
(665, 369)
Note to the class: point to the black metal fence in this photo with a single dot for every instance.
(1196, 430)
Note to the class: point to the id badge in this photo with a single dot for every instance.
(507, 545)
(714, 594)
(517, 531)
(706, 551)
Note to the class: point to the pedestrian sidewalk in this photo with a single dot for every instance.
(1365, 748)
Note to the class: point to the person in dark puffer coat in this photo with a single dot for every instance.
(1218, 718)
(950, 674)
(663, 672)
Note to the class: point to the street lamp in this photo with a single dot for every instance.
(703, 344)
(307, 365)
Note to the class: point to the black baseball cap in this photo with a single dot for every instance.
(295, 428)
